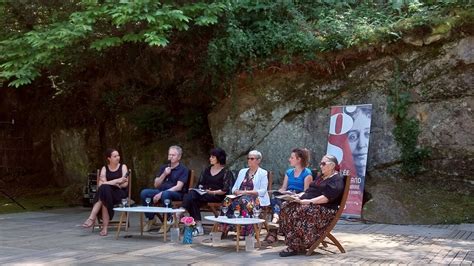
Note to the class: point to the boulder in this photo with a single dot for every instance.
(274, 113)
(69, 156)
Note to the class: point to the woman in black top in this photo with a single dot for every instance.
(303, 220)
(112, 187)
(214, 183)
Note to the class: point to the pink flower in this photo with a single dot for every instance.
(188, 221)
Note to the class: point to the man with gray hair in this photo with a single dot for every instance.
(170, 183)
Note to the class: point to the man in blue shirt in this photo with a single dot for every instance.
(170, 183)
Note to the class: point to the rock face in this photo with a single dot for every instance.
(275, 113)
(73, 153)
(69, 157)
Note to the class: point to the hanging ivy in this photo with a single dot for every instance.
(407, 128)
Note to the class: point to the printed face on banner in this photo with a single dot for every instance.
(349, 132)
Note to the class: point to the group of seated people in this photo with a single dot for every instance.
(301, 220)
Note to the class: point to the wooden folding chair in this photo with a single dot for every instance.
(115, 223)
(327, 232)
(267, 210)
(189, 184)
(214, 207)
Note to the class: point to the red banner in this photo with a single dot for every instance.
(348, 140)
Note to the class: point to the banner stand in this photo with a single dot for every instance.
(348, 141)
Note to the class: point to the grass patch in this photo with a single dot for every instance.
(416, 201)
(439, 202)
(44, 199)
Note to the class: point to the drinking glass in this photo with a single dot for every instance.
(224, 210)
(236, 213)
(167, 202)
(124, 202)
(256, 212)
(148, 200)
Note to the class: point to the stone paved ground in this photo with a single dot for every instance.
(55, 237)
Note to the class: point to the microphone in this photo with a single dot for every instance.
(169, 163)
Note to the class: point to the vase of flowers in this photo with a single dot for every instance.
(189, 226)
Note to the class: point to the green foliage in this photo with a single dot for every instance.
(195, 123)
(152, 120)
(431, 201)
(90, 25)
(258, 33)
(52, 35)
(406, 129)
(39, 198)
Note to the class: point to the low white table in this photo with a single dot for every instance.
(238, 222)
(142, 210)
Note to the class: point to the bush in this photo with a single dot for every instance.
(258, 33)
(153, 120)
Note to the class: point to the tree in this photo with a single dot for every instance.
(62, 30)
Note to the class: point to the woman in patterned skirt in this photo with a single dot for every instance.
(303, 220)
(250, 191)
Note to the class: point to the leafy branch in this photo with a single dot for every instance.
(256, 34)
(97, 25)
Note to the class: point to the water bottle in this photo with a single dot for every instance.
(216, 238)
(250, 242)
(174, 234)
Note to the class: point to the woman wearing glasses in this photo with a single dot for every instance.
(313, 210)
(249, 191)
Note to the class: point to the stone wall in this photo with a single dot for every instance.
(69, 157)
(77, 152)
(275, 113)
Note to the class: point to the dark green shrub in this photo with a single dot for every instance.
(407, 129)
(152, 119)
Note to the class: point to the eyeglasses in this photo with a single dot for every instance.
(251, 158)
(324, 163)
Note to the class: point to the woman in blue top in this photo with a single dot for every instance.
(297, 178)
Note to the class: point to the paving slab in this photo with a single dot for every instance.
(55, 237)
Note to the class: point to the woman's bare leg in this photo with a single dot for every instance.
(105, 221)
(93, 215)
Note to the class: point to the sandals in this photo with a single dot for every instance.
(270, 239)
(88, 223)
(102, 233)
(287, 252)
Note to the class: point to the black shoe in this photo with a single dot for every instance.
(287, 253)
